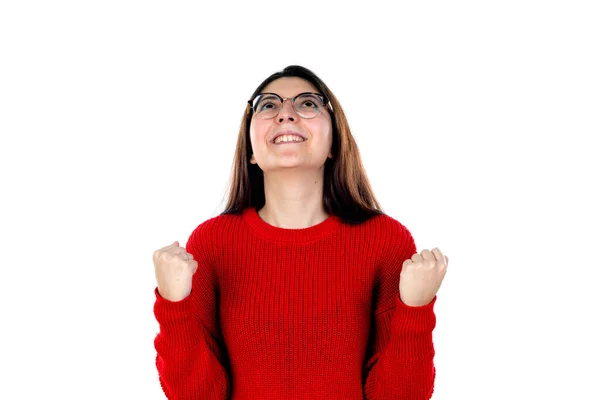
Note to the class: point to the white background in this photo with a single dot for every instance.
(477, 123)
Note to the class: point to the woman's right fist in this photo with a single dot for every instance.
(174, 268)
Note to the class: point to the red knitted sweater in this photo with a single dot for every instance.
(310, 313)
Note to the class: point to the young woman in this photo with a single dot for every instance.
(303, 288)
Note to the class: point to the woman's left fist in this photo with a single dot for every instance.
(421, 277)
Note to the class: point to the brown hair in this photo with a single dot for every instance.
(347, 192)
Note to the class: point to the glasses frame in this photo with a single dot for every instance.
(324, 101)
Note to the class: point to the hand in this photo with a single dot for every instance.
(174, 268)
(421, 277)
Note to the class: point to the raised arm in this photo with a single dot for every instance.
(399, 363)
(191, 357)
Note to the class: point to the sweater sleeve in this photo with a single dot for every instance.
(399, 362)
(191, 357)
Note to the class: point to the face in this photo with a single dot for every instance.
(308, 154)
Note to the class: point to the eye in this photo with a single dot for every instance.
(308, 101)
(266, 105)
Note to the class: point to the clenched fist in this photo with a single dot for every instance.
(174, 268)
(421, 277)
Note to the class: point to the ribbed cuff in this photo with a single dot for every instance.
(412, 330)
(417, 319)
(177, 322)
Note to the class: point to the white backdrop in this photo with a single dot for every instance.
(477, 124)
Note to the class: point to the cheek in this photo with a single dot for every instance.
(258, 130)
(324, 130)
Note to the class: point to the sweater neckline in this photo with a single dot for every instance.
(277, 234)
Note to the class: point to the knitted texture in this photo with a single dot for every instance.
(310, 313)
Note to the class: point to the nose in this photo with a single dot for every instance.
(287, 112)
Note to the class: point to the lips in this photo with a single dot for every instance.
(288, 133)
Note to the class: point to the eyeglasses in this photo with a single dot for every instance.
(307, 105)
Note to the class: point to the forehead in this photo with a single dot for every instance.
(289, 86)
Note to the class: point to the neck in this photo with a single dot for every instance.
(293, 199)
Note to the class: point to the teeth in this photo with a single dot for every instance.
(288, 138)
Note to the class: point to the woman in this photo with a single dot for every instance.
(302, 288)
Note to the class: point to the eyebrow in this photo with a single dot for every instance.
(267, 94)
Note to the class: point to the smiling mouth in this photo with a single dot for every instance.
(290, 142)
(288, 138)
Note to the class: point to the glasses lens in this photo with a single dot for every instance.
(267, 106)
(308, 105)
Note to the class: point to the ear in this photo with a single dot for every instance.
(252, 160)
(329, 156)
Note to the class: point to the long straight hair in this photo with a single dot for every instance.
(347, 192)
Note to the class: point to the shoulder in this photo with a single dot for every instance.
(209, 233)
(217, 225)
(395, 239)
(389, 230)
